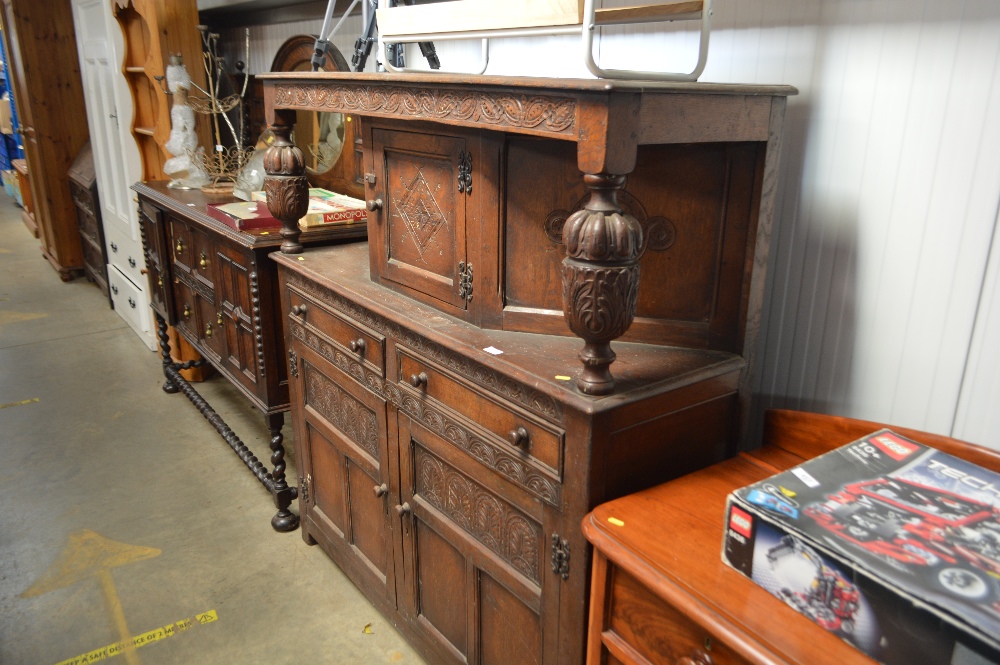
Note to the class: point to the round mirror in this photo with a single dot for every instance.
(328, 141)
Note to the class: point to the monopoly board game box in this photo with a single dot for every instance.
(891, 545)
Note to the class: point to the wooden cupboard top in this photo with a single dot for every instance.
(533, 360)
(672, 541)
(191, 204)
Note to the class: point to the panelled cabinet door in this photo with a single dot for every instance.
(238, 304)
(474, 557)
(344, 458)
(425, 184)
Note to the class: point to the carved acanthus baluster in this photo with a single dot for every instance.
(600, 278)
(285, 184)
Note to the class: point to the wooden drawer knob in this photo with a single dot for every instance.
(358, 345)
(519, 436)
(697, 657)
(299, 310)
(404, 510)
(373, 204)
(419, 380)
(381, 490)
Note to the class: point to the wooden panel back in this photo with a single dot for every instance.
(696, 203)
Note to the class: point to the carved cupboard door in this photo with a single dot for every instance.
(344, 465)
(425, 183)
(474, 549)
(238, 301)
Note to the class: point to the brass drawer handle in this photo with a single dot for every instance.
(419, 380)
(381, 490)
(218, 318)
(187, 311)
(404, 510)
(180, 246)
(159, 282)
(519, 436)
(358, 345)
(299, 310)
(203, 261)
(208, 330)
(373, 204)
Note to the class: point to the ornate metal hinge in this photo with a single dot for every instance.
(293, 363)
(465, 281)
(304, 484)
(464, 172)
(560, 556)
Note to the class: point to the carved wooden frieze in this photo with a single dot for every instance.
(439, 421)
(347, 414)
(658, 233)
(533, 400)
(490, 108)
(507, 531)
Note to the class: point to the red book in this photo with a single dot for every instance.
(244, 215)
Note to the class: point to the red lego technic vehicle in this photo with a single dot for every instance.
(831, 600)
(954, 538)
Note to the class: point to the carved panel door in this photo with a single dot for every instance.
(345, 462)
(425, 183)
(473, 551)
(238, 301)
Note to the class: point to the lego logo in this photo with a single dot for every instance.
(894, 446)
(740, 521)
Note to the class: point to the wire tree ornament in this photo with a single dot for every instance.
(223, 163)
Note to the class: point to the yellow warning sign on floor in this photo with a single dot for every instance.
(162, 633)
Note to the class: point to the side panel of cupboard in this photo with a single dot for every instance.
(41, 45)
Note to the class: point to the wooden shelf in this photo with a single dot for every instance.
(146, 131)
(135, 70)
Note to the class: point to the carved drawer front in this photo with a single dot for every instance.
(419, 240)
(344, 459)
(527, 436)
(181, 246)
(477, 557)
(186, 309)
(641, 628)
(356, 341)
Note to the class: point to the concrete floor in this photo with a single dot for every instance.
(102, 470)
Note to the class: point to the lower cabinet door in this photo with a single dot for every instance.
(345, 460)
(473, 553)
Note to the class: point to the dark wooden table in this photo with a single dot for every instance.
(216, 285)
(660, 592)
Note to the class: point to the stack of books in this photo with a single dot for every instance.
(327, 208)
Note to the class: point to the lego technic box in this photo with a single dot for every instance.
(891, 545)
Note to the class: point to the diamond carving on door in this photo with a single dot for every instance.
(420, 212)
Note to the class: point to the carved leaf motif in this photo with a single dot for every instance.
(287, 197)
(600, 303)
(499, 526)
(355, 420)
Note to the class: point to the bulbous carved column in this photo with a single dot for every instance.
(600, 278)
(286, 186)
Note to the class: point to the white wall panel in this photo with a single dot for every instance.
(889, 191)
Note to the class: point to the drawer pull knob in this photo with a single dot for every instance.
(180, 246)
(358, 345)
(203, 261)
(208, 330)
(381, 490)
(144, 271)
(404, 510)
(299, 310)
(373, 204)
(697, 657)
(131, 303)
(187, 311)
(519, 436)
(218, 318)
(419, 380)
(131, 261)
(114, 289)
(159, 282)
(114, 248)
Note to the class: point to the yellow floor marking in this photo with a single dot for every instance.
(89, 554)
(18, 317)
(4, 250)
(21, 403)
(155, 635)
